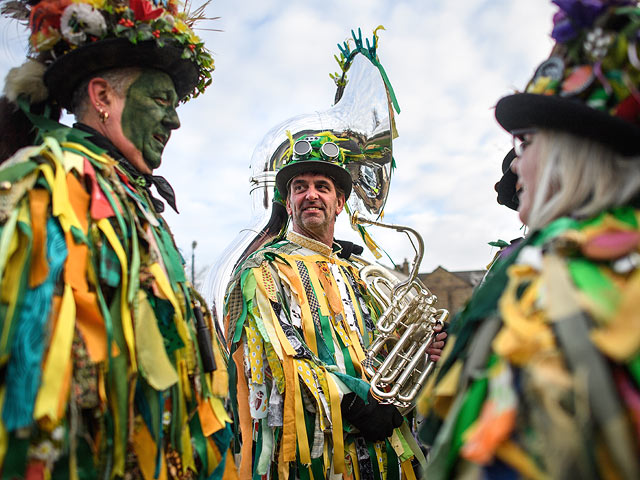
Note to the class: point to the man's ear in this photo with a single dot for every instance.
(340, 200)
(289, 210)
(100, 92)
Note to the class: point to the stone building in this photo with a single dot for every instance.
(453, 289)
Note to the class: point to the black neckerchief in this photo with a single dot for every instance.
(143, 179)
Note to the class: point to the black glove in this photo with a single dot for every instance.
(349, 248)
(374, 420)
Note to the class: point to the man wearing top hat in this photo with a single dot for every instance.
(110, 363)
(299, 320)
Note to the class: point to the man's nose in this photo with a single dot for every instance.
(312, 193)
(171, 119)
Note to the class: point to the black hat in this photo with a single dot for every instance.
(317, 153)
(67, 73)
(76, 39)
(506, 186)
(590, 84)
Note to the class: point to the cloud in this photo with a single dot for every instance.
(448, 62)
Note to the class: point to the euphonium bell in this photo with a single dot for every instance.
(362, 117)
(397, 361)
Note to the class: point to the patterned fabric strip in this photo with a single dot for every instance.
(256, 349)
(311, 298)
(364, 459)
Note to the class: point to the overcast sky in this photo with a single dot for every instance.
(448, 61)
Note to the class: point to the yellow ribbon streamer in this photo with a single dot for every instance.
(58, 358)
(16, 253)
(103, 159)
(620, 338)
(301, 429)
(289, 421)
(337, 434)
(152, 355)
(220, 377)
(271, 323)
(513, 455)
(219, 410)
(292, 276)
(61, 205)
(7, 242)
(146, 450)
(165, 286)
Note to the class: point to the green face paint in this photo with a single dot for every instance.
(149, 114)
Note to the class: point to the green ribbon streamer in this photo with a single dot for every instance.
(117, 378)
(200, 444)
(356, 385)
(25, 229)
(15, 459)
(469, 412)
(634, 368)
(374, 461)
(257, 451)
(248, 287)
(591, 280)
(393, 468)
(17, 171)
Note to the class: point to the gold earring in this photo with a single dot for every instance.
(104, 116)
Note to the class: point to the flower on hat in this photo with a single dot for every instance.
(60, 26)
(143, 10)
(575, 15)
(79, 20)
(99, 4)
(44, 23)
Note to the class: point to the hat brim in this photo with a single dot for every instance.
(527, 110)
(339, 175)
(64, 76)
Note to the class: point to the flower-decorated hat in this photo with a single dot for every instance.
(590, 85)
(74, 39)
(318, 153)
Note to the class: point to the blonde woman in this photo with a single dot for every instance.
(541, 376)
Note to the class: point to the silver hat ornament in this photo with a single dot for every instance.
(361, 123)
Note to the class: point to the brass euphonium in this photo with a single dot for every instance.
(397, 361)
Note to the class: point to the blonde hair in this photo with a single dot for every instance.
(580, 178)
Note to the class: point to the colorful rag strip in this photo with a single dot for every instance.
(541, 378)
(103, 376)
(298, 342)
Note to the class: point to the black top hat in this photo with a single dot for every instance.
(589, 86)
(76, 39)
(310, 154)
(65, 75)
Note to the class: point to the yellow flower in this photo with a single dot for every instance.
(180, 26)
(97, 4)
(540, 86)
(193, 38)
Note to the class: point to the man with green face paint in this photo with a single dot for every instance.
(110, 365)
(149, 115)
(135, 109)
